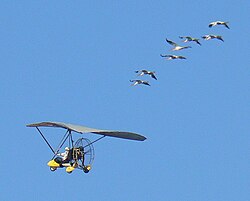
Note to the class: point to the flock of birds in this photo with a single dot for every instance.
(177, 47)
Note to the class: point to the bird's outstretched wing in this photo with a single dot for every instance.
(165, 55)
(171, 42)
(153, 76)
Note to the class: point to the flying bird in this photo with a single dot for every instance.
(218, 23)
(176, 46)
(146, 72)
(210, 36)
(189, 39)
(136, 82)
(171, 57)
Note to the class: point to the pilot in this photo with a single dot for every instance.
(64, 157)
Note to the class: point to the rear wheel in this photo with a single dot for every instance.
(86, 169)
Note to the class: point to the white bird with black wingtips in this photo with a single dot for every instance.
(212, 24)
(189, 39)
(176, 46)
(171, 56)
(210, 36)
(146, 72)
(136, 82)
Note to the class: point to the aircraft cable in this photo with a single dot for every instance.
(45, 140)
(95, 141)
(61, 142)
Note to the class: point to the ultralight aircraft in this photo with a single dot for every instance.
(80, 153)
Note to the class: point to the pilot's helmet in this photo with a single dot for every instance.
(66, 148)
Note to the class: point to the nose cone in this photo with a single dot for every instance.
(53, 163)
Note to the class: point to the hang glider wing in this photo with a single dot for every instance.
(83, 129)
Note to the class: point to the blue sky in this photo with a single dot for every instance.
(71, 61)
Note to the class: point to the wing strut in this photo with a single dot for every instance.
(95, 140)
(45, 140)
(65, 137)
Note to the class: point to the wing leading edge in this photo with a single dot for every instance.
(83, 129)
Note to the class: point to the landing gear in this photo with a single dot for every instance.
(86, 169)
(80, 156)
(84, 153)
(52, 169)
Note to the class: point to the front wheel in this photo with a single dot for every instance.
(52, 169)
